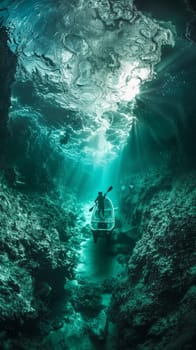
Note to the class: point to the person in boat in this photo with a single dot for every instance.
(100, 203)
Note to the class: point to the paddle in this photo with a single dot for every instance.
(109, 189)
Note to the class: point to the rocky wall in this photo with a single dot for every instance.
(36, 260)
(154, 308)
(7, 70)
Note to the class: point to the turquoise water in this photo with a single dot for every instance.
(94, 94)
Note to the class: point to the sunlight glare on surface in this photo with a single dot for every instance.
(130, 80)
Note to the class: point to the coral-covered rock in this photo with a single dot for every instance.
(16, 292)
(34, 261)
(87, 299)
(97, 328)
(155, 307)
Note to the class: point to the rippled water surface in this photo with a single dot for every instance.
(81, 64)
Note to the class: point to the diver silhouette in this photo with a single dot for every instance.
(100, 203)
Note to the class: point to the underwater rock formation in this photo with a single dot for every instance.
(155, 307)
(7, 70)
(35, 260)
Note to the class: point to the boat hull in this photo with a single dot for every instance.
(103, 225)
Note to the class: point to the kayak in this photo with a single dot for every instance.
(100, 225)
